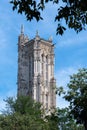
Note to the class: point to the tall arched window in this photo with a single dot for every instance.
(46, 71)
(46, 101)
(42, 65)
(42, 58)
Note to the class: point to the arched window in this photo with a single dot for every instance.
(46, 71)
(46, 59)
(42, 68)
(42, 57)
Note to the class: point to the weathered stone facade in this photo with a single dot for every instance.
(36, 69)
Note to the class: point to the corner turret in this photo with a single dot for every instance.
(22, 38)
(22, 29)
(50, 39)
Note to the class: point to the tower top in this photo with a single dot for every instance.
(22, 29)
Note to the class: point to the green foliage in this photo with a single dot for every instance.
(24, 114)
(73, 12)
(52, 121)
(29, 7)
(22, 105)
(65, 122)
(22, 122)
(60, 91)
(77, 96)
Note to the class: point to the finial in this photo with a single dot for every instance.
(50, 38)
(22, 29)
(37, 33)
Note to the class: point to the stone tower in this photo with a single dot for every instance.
(36, 69)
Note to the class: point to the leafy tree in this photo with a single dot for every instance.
(65, 122)
(77, 96)
(23, 105)
(24, 114)
(52, 121)
(60, 91)
(73, 12)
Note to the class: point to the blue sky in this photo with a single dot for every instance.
(70, 49)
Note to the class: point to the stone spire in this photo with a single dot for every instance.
(21, 36)
(50, 38)
(37, 33)
(22, 29)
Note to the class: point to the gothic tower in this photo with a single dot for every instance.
(36, 69)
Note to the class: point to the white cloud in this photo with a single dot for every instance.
(71, 39)
(62, 76)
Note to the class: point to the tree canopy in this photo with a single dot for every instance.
(72, 12)
(77, 96)
(22, 114)
(25, 114)
(65, 122)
